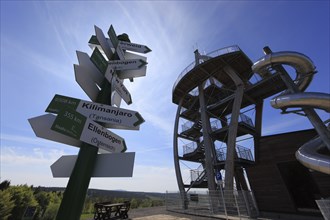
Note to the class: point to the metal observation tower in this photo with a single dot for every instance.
(214, 95)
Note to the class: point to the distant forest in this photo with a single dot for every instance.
(29, 202)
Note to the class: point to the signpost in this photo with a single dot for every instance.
(77, 121)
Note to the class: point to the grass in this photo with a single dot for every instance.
(86, 216)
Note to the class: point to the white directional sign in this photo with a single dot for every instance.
(134, 47)
(85, 81)
(117, 84)
(73, 124)
(91, 69)
(93, 42)
(107, 165)
(127, 74)
(126, 64)
(41, 126)
(109, 116)
(103, 42)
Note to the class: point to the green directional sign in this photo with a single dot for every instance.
(113, 37)
(93, 40)
(109, 116)
(98, 59)
(60, 102)
(70, 123)
(73, 124)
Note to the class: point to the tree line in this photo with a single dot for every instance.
(39, 204)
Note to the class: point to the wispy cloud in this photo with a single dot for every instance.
(43, 63)
(37, 156)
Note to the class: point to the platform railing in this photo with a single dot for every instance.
(220, 203)
(246, 119)
(189, 148)
(243, 118)
(242, 153)
(187, 125)
(215, 53)
(196, 175)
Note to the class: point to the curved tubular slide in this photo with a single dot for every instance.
(308, 154)
(304, 66)
(306, 99)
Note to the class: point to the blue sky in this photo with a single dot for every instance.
(38, 44)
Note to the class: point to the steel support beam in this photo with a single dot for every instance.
(258, 129)
(176, 158)
(233, 126)
(208, 142)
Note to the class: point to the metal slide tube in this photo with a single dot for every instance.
(303, 65)
(307, 99)
(307, 154)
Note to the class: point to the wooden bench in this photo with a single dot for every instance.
(104, 210)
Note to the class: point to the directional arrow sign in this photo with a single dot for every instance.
(134, 47)
(85, 81)
(126, 74)
(91, 70)
(109, 116)
(73, 124)
(124, 45)
(103, 42)
(41, 126)
(119, 87)
(126, 64)
(107, 165)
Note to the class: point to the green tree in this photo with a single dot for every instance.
(6, 204)
(146, 203)
(22, 197)
(4, 184)
(134, 203)
(43, 198)
(51, 211)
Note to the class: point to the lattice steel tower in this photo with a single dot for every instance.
(213, 95)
